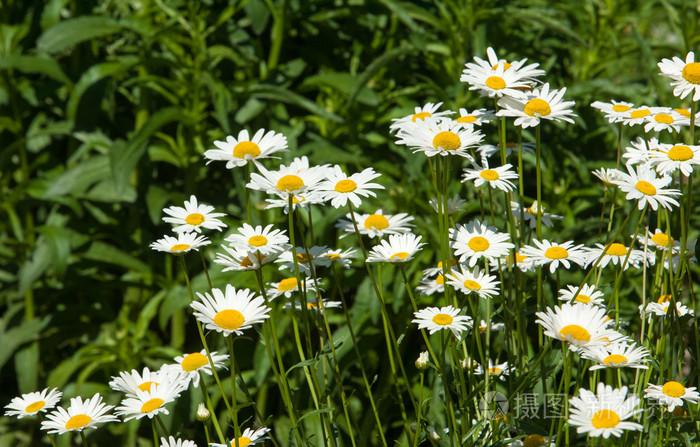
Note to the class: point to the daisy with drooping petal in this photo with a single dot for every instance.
(498, 178)
(635, 116)
(529, 214)
(238, 151)
(248, 438)
(80, 415)
(190, 365)
(193, 217)
(578, 325)
(475, 240)
(131, 382)
(672, 394)
(607, 176)
(442, 318)
(541, 103)
(500, 370)
(477, 117)
(444, 137)
(663, 119)
(399, 248)
(420, 113)
(431, 286)
(642, 184)
(684, 75)
(669, 158)
(242, 260)
(266, 240)
(480, 283)
(152, 402)
(615, 254)
(589, 294)
(172, 442)
(231, 311)
(613, 110)
(340, 256)
(338, 187)
(377, 224)
(305, 259)
(639, 152)
(554, 253)
(182, 243)
(617, 355)
(287, 181)
(604, 413)
(30, 404)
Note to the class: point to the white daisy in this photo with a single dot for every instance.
(604, 413)
(488, 150)
(296, 178)
(613, 110)
(399, 248)
(498, 178)
(634, 116)
(190, 365)
(497, 78)
(80, 415)
(664, 119)
(639, 152)
(541, 103)
(266, 240)
(315, 256)
(338, 187)
(314, 306)
(431, 286)
(617, 355)
(131, 382)
(615, 254)
(193, 217)
(30, 404)
(522, 262)
(180, 244)
(299, 200)
(661, 308)
(238, 151)
(442, 318)
(672, 394)
(607, 176)
(172, 442)
(495, 327)
(152, 402)
(476, 117)
(480, 283)
(669, 158)
(529, 214)
(231, 311)
(578, 325)
(589, 294)
(455, 204)
(248, 438)
(242, 260)
(420, 113)
(658, 240)
(554, 253)
(684, 75)
(288, 286)
(444, 137)
(475, 240)
(642, 184)
(377, 224)
(500, 370)
(340, 256)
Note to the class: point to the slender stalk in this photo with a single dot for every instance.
(210, 407)
(85, 442)
(234, 398)
(155, 433)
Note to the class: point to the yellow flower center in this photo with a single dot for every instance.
(673, 389)
(639, 113)
(194, 361)
(442, 319)
(229, 319)
(287, 285)
(645, 188)
(78, 421)
(575, 332)
(152, 405)
(683, 112)
(290, 183)
(664, 299)
(311, 306)
(246, 149)
(619, 108)
(556, 252)
(615, 359)
(616, 249)
(691, 72)
(680, 152)
(446, 140)
(333, 256)
(243, 441)
(537, 107)
(195, 219)
(440, 280)
(506, 66)
(36, 406)
(585, 299)
(495, 82)
(466, 119)
(399, 255)
(489, 175)
(180, 247)
(494, 371)
(472, 285)
(605, 419)
(146, 386)
(345, 185)
(376, 222)
(478, 243)
(663, 118)
(257, 241)
(302, 258)
(662, 239)
(420, 116)
(534, 441)
(246, 262)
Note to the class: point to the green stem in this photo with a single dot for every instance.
(210, 407)
(234, 398)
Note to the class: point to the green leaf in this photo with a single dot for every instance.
(14, 338)
(34, 64)
(281, 94)
(102, 252)
(73, 31)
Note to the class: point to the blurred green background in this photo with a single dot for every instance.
(107, 106)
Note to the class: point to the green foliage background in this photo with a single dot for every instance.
(107, 106)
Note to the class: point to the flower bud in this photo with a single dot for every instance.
(202, 413)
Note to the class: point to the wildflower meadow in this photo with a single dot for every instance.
(349, 223)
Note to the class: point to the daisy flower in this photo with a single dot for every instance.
(613, 110)
(399, 248)
(607, 176)
(288, 286)
(338, 187)
(669, 158)
(660, 308)
(589, 294)
(530, 71)
(671, 394)
(605, 413)
(266, 240)
(340, 256)
(488, 150)
(314, 306)
(642, 184)
(494, 327)
(684, 75)
(180, 244)
(454, 204)
(172, 442)
(497, 78)
(553, 253)
(475, 240)
(658, 240)
(238, 151)
(231, 311)
(578, 324)
(634, 116)
(296, 178)
(315, 257)
(444, 137)
(529, 214)
(663, 119)
(423, 360)
(299, 200)
(80, 415)
(190, 365)
(152, 402)
(242, 260)
(533, 440)
(617, 355)
(639, 152)
(438, 269)
(248, 438)
(131, 382)
(33, 403)
(420, 113)
(522, 262)
(500, 370)
(615, 254)
(497, 178)
(377, 224)
(193, 217)
(477, 117)
(442, 318)
(541, 103)
(431, 286)
(480, 283)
